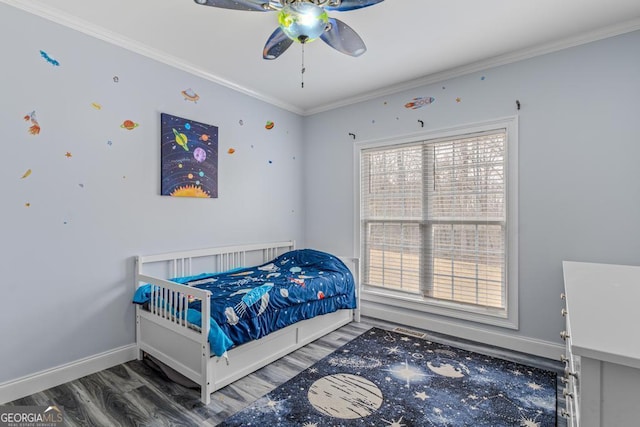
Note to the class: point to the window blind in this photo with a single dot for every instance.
(433, 218)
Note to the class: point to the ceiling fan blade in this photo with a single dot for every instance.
(277, 43)
(342, 38)
(251, 5)
(346, 5)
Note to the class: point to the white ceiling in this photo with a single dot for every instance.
(410, 42)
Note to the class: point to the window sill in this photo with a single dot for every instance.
(489, 316)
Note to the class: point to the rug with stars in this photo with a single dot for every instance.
(384, 378)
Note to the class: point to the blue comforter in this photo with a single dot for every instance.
(249, 303)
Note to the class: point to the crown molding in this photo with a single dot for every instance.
(508, 58)
(49, 13)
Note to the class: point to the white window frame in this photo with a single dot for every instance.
(507, 317)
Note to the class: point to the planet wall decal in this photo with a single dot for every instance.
(129, 125)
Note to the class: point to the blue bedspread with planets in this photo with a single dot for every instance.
(249, 303)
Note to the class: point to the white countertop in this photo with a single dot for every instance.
(603, 301)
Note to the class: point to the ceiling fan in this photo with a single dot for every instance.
(303, 21)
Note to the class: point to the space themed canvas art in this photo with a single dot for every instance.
(189, 158)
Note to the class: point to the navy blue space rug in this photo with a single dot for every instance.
(385, 378)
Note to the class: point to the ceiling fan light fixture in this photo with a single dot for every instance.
(303, 22)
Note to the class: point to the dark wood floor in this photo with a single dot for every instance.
(134, 394)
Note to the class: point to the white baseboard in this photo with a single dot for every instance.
(526, 345)
(34, 383)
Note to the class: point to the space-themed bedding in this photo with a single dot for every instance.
(249, 303)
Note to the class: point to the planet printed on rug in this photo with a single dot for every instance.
(385, 378)
(345, 396)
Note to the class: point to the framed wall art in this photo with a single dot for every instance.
(188, 158)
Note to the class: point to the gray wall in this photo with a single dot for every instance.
(579, 174)
(67, 271)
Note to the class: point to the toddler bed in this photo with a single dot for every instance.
(218, 314)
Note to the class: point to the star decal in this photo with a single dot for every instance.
(394, 423)
(273, 404)
(421, 395)
(392, 350)
(534, 386)
(405, 371)
(528, 422)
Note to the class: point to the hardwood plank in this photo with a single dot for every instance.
(188, 399)
(76, 409)
(157, 410)
(108, 405)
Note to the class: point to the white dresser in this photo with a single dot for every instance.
(602, 335)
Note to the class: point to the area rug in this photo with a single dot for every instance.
(384, 378)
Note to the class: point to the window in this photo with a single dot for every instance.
(434, 223)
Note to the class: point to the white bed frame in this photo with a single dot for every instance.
(171, 340)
